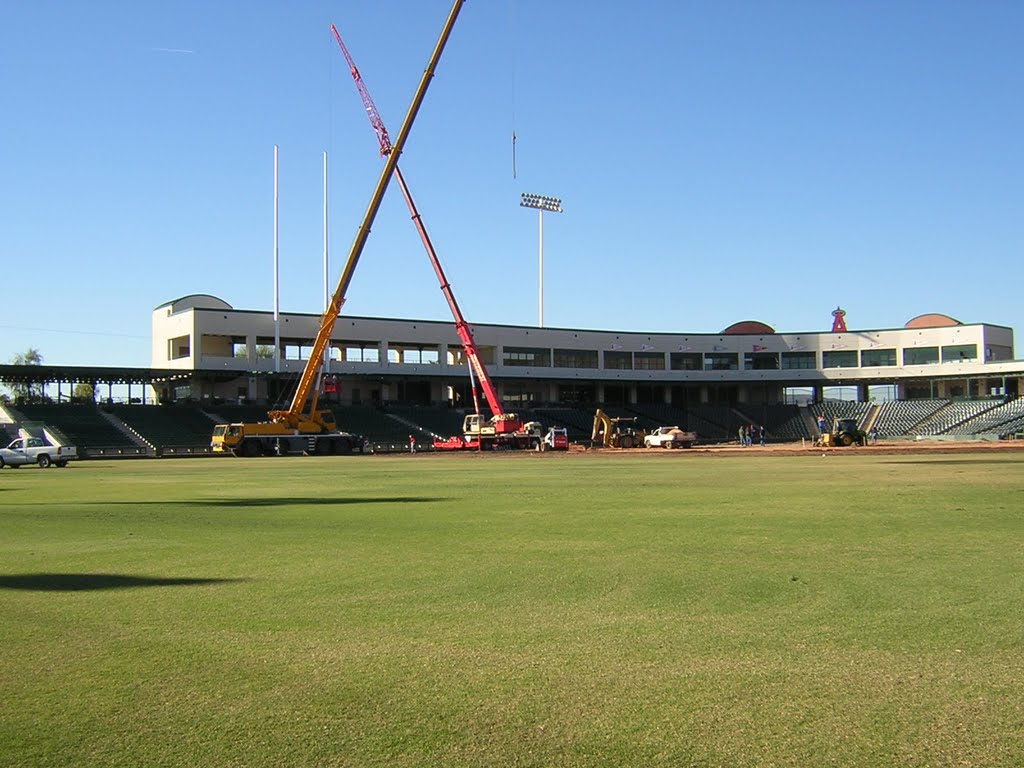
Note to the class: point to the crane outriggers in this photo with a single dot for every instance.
(312, 430)
(502, 429)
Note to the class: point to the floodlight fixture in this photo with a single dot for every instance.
(541, 202)
(551, 205)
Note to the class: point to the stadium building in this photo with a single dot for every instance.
(220, 353)
(391, 379)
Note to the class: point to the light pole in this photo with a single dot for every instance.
(551, 205)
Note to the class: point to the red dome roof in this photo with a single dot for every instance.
(748, 328)
(932, 320)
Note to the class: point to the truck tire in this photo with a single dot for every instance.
(61, 464)
(845, 440)
(1, 462)
(250, 448)
(43, 461)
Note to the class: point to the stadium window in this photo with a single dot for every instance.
(721, 361)
(412, 354)
(920, 355)
(618, 361)
(179, 347)
(577, 393)
(215, 345)
(797, 395)
(685, 361)
(799, 361)
(526, 357)
(359, 352)
(520, 395)
(486, 353)
(845, 359)
(873, 358)
(649, 361)
(761, 361)
(957, 353)
(575, 358)
(295, 350)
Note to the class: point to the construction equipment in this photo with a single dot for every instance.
(502, 429)
(616, 431)
(555, 439)
(846, 432)
(312, 430)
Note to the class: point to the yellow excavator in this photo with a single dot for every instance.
(616, 431)
(297, 430)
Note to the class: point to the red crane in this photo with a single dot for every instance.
(509, 422)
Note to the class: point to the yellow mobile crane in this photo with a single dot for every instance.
(315, 431)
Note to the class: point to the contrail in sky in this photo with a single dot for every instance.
(172, 50)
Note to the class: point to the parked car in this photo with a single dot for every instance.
(32, 450)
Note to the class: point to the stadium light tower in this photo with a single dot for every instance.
(551, 205)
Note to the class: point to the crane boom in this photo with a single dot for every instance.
(461, 326)
(294, 415)
(368, 105)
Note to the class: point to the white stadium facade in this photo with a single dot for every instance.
(211, 352)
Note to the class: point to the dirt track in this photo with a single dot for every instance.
(883, 447)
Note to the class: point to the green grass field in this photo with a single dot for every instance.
(526, 610)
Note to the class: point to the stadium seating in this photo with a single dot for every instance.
(841, 409)
(375, 425)
(579, 423)
(899, 417)
(440, 421)
(84, 426)
(1004, 419)
(167, 427)
(951, 415)
(781, 422)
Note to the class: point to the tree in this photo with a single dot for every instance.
(264, 352)
(29, 357)
(84, 393)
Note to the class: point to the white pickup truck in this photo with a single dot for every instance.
(670, 437)
(32, 450)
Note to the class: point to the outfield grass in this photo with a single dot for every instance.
(676, 609)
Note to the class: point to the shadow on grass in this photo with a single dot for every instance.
(287, 500)
(279, 502)
(84, 582)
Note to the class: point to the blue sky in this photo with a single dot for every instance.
(717, 162)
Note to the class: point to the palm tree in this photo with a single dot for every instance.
(30, 357)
